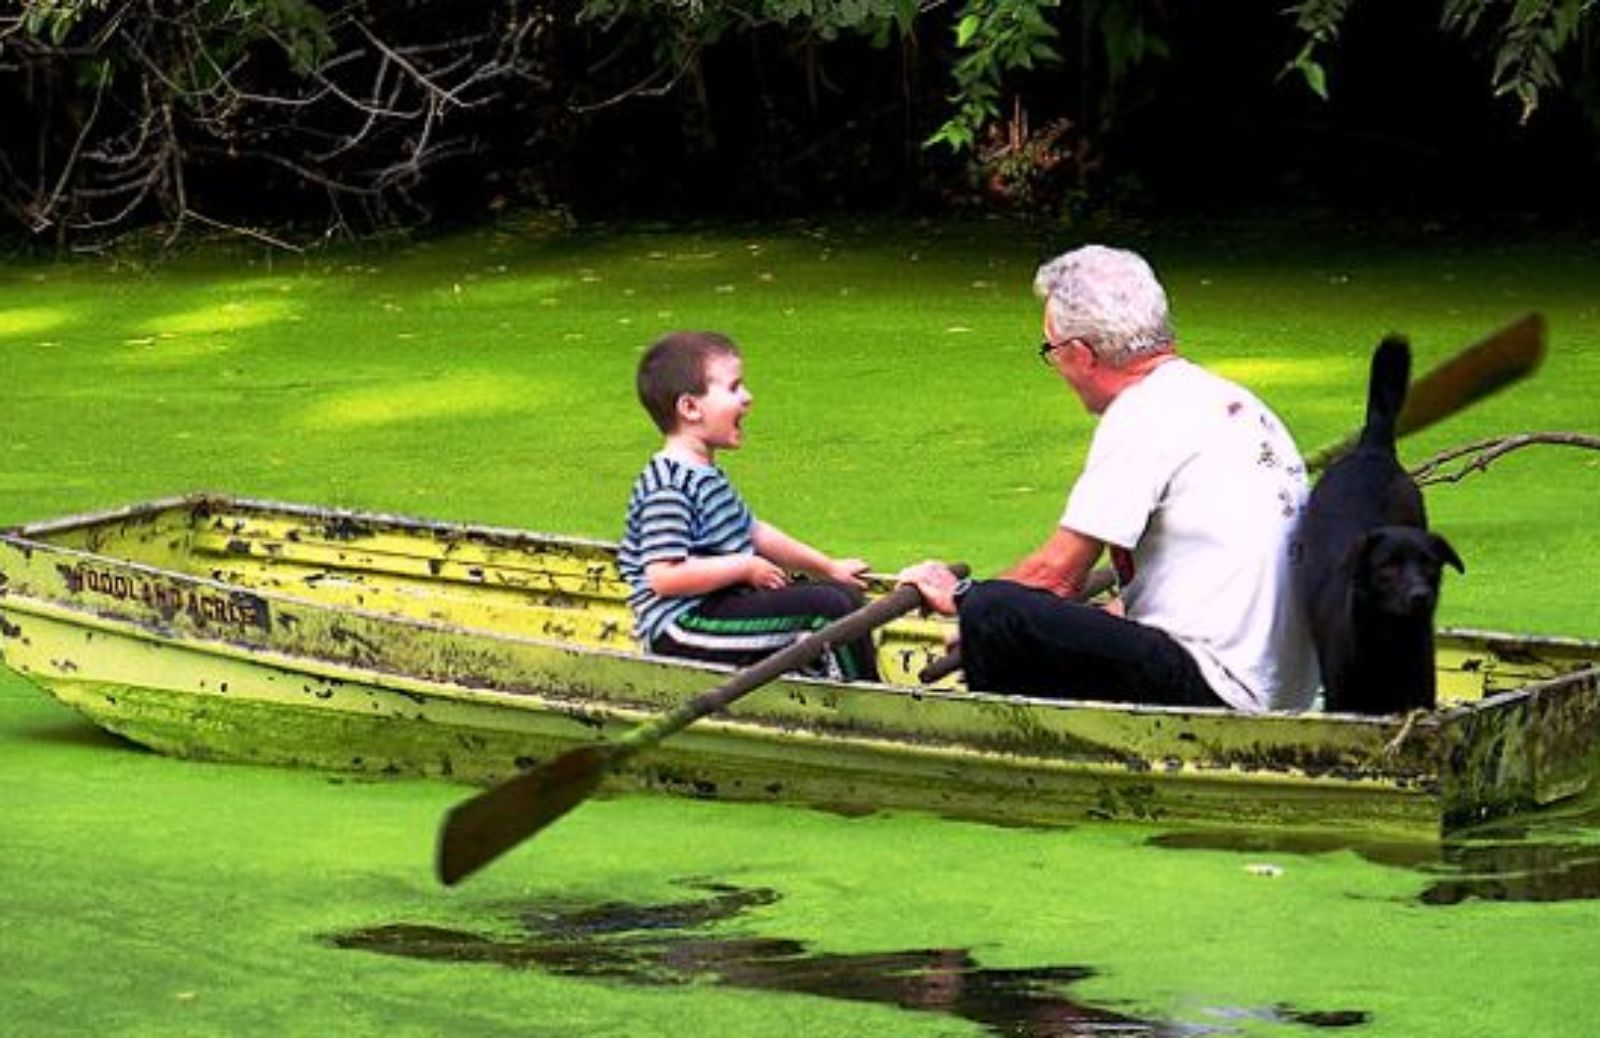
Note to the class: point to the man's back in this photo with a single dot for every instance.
(1201, 485)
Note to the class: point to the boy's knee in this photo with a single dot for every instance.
(836, 600)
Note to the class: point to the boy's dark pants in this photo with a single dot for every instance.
(1027, 641)
(742, 625)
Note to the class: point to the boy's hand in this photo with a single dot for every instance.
(763, 574)
(851, 572)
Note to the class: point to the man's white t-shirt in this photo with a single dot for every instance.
(1197, 488)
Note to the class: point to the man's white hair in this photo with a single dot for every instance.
(1109, 299)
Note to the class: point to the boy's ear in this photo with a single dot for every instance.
(688, 408)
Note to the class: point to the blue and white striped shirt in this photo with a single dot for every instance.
(678, 510)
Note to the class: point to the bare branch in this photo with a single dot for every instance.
(1479, 455)
(39, 220)
(649, 86)
(247, 232)
(184, 98)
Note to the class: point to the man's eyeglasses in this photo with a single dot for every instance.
(1045, 349)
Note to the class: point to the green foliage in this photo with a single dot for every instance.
(997, 37)
(694, 23)
(221, 29)
(1126, 35)
(132, 112)
(1534, 33)
(53, 20)
(1527, 36)
(676, 32)
(1319, 21)
(301, 28)
(1046, 170)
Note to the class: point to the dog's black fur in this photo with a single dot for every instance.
(1368, 570)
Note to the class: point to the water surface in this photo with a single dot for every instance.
(148, 895)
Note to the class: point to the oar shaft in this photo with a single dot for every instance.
(479, 830)
(901, 600)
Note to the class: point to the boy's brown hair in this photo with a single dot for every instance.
(675, 365)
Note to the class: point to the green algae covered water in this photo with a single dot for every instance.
(145, 895)
(899, 414)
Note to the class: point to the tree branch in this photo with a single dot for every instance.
(356, 101)
(1455, 464)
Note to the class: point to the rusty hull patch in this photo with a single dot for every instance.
(1521, 750)
(346, 528)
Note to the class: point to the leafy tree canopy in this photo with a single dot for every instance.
(260, 114)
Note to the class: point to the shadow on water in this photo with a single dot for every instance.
(1554, 859)
(81, 733)
(662, 945)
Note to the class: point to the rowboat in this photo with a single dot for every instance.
(221, 628)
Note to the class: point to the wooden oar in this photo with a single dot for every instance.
(1479, 370)
(1508, 355)
(478, 830)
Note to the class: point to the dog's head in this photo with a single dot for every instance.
(1396, 569)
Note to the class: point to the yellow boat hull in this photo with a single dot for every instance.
(226, 629)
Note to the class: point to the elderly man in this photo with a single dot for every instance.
(1193, 485)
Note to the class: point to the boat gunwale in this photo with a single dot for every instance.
(25, 538)
(42, 606)
(125, 625)
(26, 534)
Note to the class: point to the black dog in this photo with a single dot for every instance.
(1368, 570)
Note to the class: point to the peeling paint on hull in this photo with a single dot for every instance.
(226, 629)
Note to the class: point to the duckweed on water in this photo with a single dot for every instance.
(489, 378)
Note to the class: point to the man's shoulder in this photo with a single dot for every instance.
(1165, 393)
(1189, 375)
(1183, 386)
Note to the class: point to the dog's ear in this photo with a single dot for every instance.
(1444, 553)
(1355, 556)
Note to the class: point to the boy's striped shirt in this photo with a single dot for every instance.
(677, 510)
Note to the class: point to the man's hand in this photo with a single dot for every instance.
(935, 581)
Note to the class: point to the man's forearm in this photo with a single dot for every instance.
(1061, 566)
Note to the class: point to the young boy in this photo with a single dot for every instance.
(709, 581)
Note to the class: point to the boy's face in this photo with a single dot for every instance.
(718, 413)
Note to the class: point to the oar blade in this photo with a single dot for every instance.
(479, 830)
(1509, 354)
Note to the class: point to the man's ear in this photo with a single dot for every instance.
(1444, 553)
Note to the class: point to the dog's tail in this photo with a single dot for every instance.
(1386, 391)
